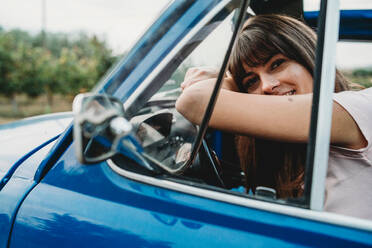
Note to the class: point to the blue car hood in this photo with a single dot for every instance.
(20, 137)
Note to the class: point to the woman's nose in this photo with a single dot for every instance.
(269, 84)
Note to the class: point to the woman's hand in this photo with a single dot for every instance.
(197, 88)
(198, 74)
(205, 74)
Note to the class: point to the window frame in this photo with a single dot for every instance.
(321, 112)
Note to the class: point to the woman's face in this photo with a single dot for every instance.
(279, 76)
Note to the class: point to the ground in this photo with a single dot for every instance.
(32, 106)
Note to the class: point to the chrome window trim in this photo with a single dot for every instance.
(325, 217)
(189, 37)
(324, 121)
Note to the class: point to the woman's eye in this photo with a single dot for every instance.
(277, 63)
(249, 82)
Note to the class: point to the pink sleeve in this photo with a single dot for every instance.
(359, 105)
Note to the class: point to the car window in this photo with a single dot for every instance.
(168, 138)
(165, 135)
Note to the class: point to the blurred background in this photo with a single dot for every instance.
(51, 50)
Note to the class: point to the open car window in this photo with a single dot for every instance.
(166, 136)
(172, 139)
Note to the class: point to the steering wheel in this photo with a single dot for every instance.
(207, 167)
(167, 138)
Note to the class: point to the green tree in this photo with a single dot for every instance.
(9, 76)
(364, 72)
(31, 64)
(65, 63)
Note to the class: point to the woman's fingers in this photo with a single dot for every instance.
(201, 73)
(197, 74)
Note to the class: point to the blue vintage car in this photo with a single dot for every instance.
(130, 171)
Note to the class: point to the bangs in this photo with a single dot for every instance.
(265, 36)
(254, 48)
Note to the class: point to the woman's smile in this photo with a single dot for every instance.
(279, 76)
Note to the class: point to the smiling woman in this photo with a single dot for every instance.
(278, 71)
(273, 61)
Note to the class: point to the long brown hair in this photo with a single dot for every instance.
(277, 165)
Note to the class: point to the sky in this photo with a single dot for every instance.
(121, 22)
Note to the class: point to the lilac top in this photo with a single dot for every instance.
(349, 175)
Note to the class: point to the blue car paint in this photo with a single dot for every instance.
(17, 139)
(354, 24)
(16, 189)
(24, 144)
(92, 206)
(22, 159)
(80, 205)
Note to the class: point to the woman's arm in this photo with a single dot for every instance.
(283, 118)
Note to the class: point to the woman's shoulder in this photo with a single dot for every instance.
(362, 91)
(358, 101)
(359, 105)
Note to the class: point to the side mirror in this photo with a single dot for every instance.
(152, 128)
(99, 125)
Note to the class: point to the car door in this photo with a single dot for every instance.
(118, 202)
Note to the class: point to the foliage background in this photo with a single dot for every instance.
(41, 73)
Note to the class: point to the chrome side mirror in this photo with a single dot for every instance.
(99, 126)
